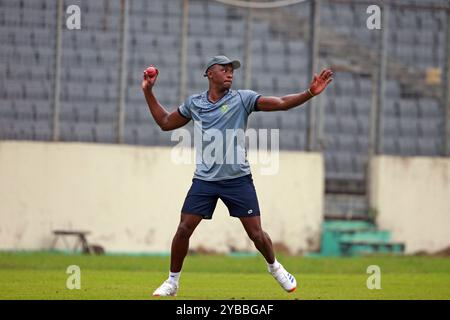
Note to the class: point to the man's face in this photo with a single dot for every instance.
(221, 75)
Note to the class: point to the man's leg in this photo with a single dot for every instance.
(260, 238)
(180, 242)
(179, 250)
(263, 243)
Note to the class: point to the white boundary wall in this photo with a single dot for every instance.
(412, 198)
(130, 198)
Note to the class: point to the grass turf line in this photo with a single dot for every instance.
(43, 276)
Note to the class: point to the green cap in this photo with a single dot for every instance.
(221, 60)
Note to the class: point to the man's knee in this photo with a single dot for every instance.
(184, 231)
(257, 235)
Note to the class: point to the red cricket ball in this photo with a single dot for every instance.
(151, 71)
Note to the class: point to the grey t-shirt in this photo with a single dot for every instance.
(219, 133)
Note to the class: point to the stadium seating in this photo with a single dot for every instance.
(411, 124)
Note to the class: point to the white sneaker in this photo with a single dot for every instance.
(285, 279)
(167, 289)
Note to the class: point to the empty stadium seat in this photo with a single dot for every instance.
(105, 133)
(348, 125)
(407, 146)
(408, 128)
(290, 139)
(428, 147)
(42, 131)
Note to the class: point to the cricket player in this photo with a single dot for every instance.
(220, 108)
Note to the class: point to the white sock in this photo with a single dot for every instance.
(274, 266)
(174, 277)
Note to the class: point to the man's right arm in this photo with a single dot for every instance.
(166, 121)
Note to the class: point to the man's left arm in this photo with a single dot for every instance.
(318, 84)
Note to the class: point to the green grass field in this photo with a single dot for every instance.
(43, 276)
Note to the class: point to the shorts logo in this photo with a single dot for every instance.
(250, 211)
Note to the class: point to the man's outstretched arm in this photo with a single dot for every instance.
(319, 83)
(166, 120)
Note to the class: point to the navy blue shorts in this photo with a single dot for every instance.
(239, 195)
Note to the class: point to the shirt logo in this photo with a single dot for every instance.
(224, 108)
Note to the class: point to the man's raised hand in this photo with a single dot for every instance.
(320, 82)
(150, 75)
